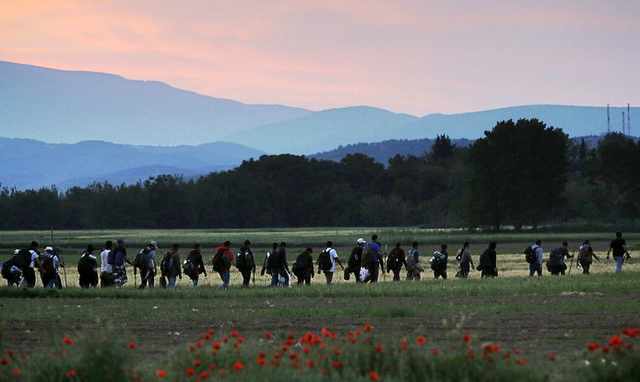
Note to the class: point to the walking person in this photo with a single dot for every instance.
(373, 261)
(413, 263)
(465, 261)
(49, 267)
(586, 256)
(355, 261)
(194, 265)
(488, 263)
(439, 261)
(222, 261)
(303, 267)
(266, 268)
(279, 266)
(535, 257)
(246, 264)
(148, 265)
(556, 264)
(11, 271)
(395, 261)
(106, 270)
(619, 248)
(170, 267)
(31, 257)
(327, 260)
(88, 268)
(118, 261)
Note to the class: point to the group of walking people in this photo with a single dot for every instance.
(366, 263)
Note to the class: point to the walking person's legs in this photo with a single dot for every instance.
(619, 261)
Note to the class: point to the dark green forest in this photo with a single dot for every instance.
(521, 173)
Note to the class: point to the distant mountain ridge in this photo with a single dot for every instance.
(69, 106)
(32, 164)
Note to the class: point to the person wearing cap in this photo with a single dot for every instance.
(355, 260)
(88, 268)
(11, 272)
(49, 265)
(149, 268)
(106, 271)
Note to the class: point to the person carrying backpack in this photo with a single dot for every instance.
(327, 260)
(194, 265)
(620, 252)
(170, 267)
(465, 261)
(488, 264)
(29, 262)
(439, 260)
(586, 256)
(146, 262)
(279, 266)
(246, 263)
(266, 268)
(372, 261)
(222, 261)
(49, 265)
(118, 261)
(535, 257)
(413, 263)
(355, 261)
(395, 261)
(303, 267)
(556, 264)
(10, 270)
(106, 271)
(88, 268)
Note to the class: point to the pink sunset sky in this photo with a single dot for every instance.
(414, 56)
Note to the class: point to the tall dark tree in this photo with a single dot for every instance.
(442, 150)
(518, 173)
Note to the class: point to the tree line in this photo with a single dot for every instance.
(521, 173)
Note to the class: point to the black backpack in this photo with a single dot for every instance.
(22, 259)
(556, 257)
(84, 264)
(355, 259)
(324, 260)
(529, 254)
(220, 262)
(244, 260)
(46, 265)
(139, 261)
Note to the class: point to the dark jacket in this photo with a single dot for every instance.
(170, 265)
(304, 265)
(195, 257)
(396, 260)
(278, 261)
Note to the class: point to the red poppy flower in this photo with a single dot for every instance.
(522, 361)
(326, 332)
(421, 340)
(268, 336)
(491, 348)
(404, 344)
(4, 361)
(605, 349)
(196, 362)
(466, 338)
(216, 346)
(631, 332)
(261, 361)
(132, 345)
(615, 341)
(367, 327)
(374, 376)
(190, 372)
(593, 346)
(235, 333)
(68, 341)
(238, 366)
(336, 365)
(71, 373)
(310, 364)
(551, 356)
(379, 348)
(16, 372)
(204, 374)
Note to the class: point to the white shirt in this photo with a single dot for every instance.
(34, 258)
(539, 252)
(333, 255)
(104, 261)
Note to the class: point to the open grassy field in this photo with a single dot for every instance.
(558, 315)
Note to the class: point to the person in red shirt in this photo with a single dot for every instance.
(222, 261)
